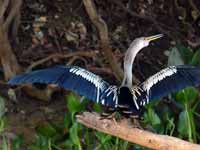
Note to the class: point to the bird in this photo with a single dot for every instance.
(127, 97)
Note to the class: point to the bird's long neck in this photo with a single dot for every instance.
(128, 64)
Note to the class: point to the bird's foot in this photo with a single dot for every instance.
(111, 116)
(107, 113)
(136, 123)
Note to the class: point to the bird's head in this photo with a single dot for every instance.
(144, 41)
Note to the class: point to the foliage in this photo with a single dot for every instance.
(180, 119)
(6, 143)
(72, 135)
(178, 116)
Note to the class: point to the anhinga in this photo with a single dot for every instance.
(133, 98)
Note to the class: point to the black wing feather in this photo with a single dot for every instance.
(72, 78)
(181, 77)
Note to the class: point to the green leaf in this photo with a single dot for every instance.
(151, 117)
(33, 147)
(2, 106)
(189, 94)
(74, 135)
(183, 125)
(195, 14)
(170, 126)
(97, 108)
(196, 58)
(4, 145)
(102, 137)
(73, 104)
(46, 130)
(3, 124)
(67, 120)
(105, 140)
(185, 52)
(179, 96)
(36, 147)
(17, 142)
(175, 57)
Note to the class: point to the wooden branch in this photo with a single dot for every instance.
(3, 7)
(58, 55)
(98, 22)
(15, 8)
(134, 135)
(7, 57)
(194, 44)
(104, 39)
(98, 70)
(40, 94)
(15, 26)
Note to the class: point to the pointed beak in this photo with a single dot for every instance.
(154, 37)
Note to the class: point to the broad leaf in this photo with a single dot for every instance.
(183, 125)
(2, 107)
(187, 95)
(175, 57)
(185, 52)
(46, 130)
(73, 104)
(196, 58)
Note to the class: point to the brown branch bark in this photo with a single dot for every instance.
(3, 7)
(57, 55)
(15, 8)
(15, 25)
(7, 57)
(134, 135)
(40, 94)
(104, 39)
(9, 23)
(194, 44)
(47, 92)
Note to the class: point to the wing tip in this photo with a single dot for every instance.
(12, 81)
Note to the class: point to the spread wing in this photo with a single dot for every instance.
(73, 78)
(168, 80)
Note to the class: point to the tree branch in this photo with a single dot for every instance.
(57, 55)
(15, 5)
(8, 12)
(104, 39)
(134, 135)
(3, 7)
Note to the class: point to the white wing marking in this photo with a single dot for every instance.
(110, 90)
(158, 77)
(103, 101)
(135, 90)
(92, 78)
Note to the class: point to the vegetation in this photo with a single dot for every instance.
(177, 115)
(42, 33)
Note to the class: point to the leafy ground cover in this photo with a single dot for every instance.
(63, 26)
(176, 115)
